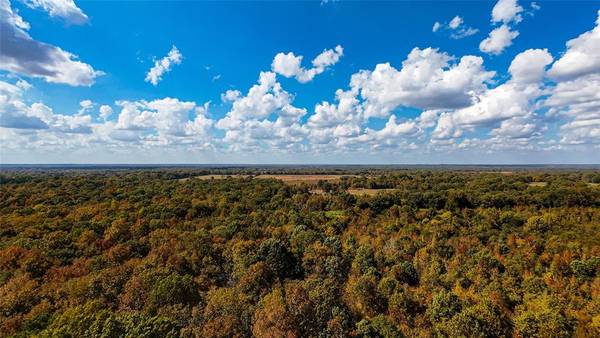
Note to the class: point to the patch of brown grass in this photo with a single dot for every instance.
(299, 179)
(286, 178)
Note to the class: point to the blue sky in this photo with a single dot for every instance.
(446, 114)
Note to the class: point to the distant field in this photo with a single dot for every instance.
(368, 192)
(357, 191)
(299, 179)
(538, 184)
(289, 179)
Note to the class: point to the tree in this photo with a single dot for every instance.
(543, 316)
(272, 318)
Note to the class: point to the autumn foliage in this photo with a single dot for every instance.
(143, 253)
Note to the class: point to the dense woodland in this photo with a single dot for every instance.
(143, 253)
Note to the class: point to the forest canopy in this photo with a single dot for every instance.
(373, 253)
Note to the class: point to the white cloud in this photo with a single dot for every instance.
(582, 56)
(530, 65)
(12, 90)
(230, 95)
(507, 11)
(162, 66)
(168, 116)
(508, 108)
(328, 57)
(503, 102)
(264, 117)
(105, 111)
(262, 100)
(347, 111)
(22, 55)
(456, 28)
(64, 9)
(16, 114)
(581, 132)
(455, 22)
(498, 40)
(23, 84)
(446, 128)
(85, 105)
(518, 128)
(393, 129)
(578, 101)
(160, 122)
(576, 96)
(289, 65)
(428, 79)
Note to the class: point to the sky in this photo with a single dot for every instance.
(333, 82)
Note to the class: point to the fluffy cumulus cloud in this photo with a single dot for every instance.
(498, 40)
(14, 113)
(290, 65)
(529, 66)
(265, 116)
(576, 96)
(163, 66)
(508, 13)
(507, 109)
(582, 56)
(456, 28)
(164, 122)
(21, 54)
(17, 114)
(85, 105)
(168, 118)
(428, 79)
(64, 9)
(105, 111)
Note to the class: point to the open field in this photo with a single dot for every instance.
(368, 192)
(287, 178)
(299, 179)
